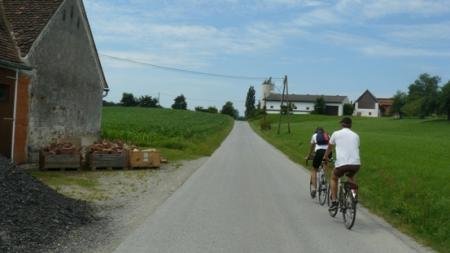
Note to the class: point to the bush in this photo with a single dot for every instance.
(265, 125)
(348, 109)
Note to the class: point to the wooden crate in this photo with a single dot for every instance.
(109, 161)
(59, 161)
(149, 158)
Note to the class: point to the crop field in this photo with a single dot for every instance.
(178, 134)
(405, 168)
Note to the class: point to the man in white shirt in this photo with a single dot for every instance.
(348, 161)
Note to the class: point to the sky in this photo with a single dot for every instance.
(324, 47)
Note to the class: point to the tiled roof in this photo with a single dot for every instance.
(8, 50)
(27, 19)
(306, 98)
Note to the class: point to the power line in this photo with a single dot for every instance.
(185, 70)
(203, 99)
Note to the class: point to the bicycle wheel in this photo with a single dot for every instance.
(333, 212)
(329, 195)
(349, 210)
(323, 191)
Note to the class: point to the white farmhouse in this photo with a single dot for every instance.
(302, 104)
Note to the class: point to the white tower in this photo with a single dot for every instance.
(267, 88)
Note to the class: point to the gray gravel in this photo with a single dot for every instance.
(249, 197)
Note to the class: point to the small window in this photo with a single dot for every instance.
(64, 15)
(71, 12)
(271, 107)
(4, 92)
(307, 108)
(78, 23)
(370, 113)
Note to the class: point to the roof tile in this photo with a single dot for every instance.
(28, 18)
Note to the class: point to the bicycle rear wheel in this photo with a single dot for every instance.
(329, 195)
(349, 210)
(323, 191)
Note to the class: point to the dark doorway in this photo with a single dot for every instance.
(331, 110)
(6, 111)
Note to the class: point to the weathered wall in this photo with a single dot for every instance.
(366, 112)
(66, 90)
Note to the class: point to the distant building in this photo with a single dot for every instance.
(51, 79)
(367, 105)
(302, 104)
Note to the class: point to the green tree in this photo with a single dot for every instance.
(400, 99)
(424, 89)
(148, 101)
(319, 106)
(212, 109)
(348, 109)
(180, 103)
(229, 109)
(128, 99)
(250, 103)
(445, 99)
(289, 107)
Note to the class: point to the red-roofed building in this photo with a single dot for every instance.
(51, 78)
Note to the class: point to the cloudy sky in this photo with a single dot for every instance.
(325, 47)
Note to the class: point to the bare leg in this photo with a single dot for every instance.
(334, 182)
(314, 178)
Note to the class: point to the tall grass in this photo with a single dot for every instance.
(405, 169)
(179, 134)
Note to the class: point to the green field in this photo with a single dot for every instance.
(178, 134)
(405, 169)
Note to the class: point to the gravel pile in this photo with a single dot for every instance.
(32, 215)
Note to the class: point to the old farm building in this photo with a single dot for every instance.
(51, 79)
(302, 104)
(369, 106)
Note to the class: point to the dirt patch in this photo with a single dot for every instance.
(32, 215)
(124, 199)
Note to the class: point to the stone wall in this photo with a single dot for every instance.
(66, 87)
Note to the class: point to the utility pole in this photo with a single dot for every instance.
(285, 97)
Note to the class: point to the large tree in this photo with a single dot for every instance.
(228, 109)
(319, 106)
(445, 99)
(425, 89)
(399, 101)
(180, 103)
(128, 99)
(250, 103)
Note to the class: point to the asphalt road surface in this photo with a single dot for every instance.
(249, 197)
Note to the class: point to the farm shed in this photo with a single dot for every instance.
(51, 78)
(303, 103)
(369, 106)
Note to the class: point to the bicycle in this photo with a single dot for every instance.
(322, 184)
(347, 201)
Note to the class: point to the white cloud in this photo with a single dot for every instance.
(380, 8)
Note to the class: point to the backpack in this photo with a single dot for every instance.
(322, 138)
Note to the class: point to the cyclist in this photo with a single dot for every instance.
(347, 161)
(319, 144)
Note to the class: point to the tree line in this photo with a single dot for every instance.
(425, 97)
(180, 103)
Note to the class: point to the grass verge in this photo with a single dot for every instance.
(405, 168)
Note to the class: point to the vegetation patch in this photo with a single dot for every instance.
(179, 134)
(405, 168)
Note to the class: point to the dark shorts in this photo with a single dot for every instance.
(348, 170)
(318, 158)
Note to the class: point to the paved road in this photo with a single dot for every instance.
(249, 197)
